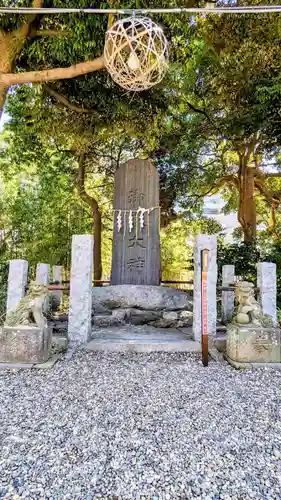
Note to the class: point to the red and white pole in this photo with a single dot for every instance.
(204, 305)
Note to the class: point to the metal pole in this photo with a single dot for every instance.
(182, 10)
(204, 305)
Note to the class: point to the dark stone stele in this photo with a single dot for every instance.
(136, 253)
(25, 344)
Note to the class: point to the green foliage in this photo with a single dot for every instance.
(40, 208)
(222, 90)
(244, 256)
(227, 91)
(177, 242)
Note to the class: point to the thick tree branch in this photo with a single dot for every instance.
(55, 33)
(272, 175)
(110, 19)
(83, 68)
(197, 110)
(259, 185)
(227, 179)
(273, 200)
(23, 31)
(11, 44)
(63, 100)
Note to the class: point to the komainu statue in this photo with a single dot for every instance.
(249, 311)
(30, 308)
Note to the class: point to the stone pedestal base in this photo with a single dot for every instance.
(253, 344)
(25, 344)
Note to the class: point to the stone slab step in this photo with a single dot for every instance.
(145, 332)
(142, 345)
(141, 339)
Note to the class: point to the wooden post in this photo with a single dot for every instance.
(204, 305)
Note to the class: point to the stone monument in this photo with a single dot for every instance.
(136, 237)
(251, 337)
(25, 337)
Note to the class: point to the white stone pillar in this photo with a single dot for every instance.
(57, 278)
(43, 274)
(80, 297)
(266, 281)
(227, 298)
(43, 277)
(17, 282)
(202, 242)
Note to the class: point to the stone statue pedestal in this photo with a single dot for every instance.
(253, 344)
(25, 344)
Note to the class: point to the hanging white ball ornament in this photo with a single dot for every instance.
(136, 53)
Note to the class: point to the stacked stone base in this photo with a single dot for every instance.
(25, 344)
(156, 306)
(158, 319)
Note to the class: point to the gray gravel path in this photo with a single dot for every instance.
(140, 426)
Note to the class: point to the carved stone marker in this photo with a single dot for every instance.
(136, 238)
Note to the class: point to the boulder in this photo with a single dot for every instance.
(170, 316)
(125, 317)
(120, 315)
(99, 309)
(169, 319)
(105, 321)
(145, 297)
(135, 316)
(142, 317)
(186, 318)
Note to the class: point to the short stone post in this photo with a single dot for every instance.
(266, 281)
(57, 278)
(227, 298)
(17, 282)
(80, 297)
(209, 242)
(43, 274)
(43, 277)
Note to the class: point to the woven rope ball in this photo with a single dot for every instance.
(136, 53)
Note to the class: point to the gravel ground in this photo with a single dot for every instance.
(140, 426)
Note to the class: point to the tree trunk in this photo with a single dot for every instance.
(5, 66)
(3, 95)
(247, 206)
(97, 226)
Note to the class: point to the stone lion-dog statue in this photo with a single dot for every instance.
(30, 308)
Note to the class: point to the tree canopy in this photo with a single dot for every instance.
(228, 121)
(213, 124)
